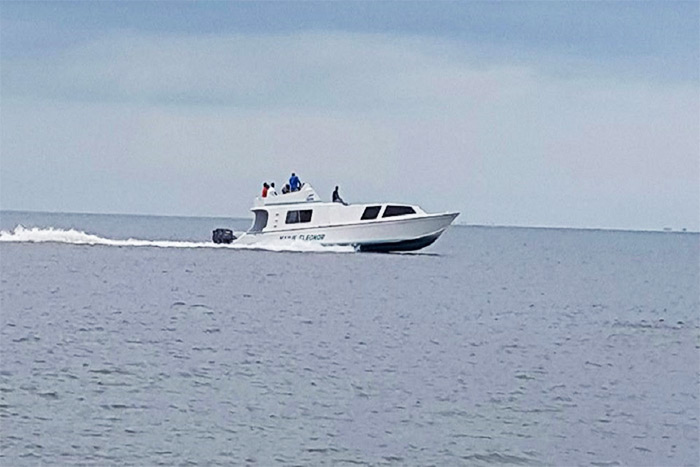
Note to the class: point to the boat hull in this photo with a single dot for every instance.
(402, 245)
(384, 235)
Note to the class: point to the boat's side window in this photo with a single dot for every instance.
(296, 217)
(371, 212)
(305, 215)
(392, 211)
(292, 217)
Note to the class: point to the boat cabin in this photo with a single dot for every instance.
(304, 209)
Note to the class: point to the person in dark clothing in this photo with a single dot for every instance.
(294, 182)
(337, 198)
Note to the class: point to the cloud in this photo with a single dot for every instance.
(193, 124)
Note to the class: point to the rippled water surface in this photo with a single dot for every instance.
(494, 346)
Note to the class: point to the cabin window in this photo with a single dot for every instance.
(392, 211)
(296, 217)
(260, 221)
(371, 212)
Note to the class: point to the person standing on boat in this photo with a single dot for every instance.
(294, 182)
(272, 191)
(266, 187)
(337, 198)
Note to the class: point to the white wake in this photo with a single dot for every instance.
(76, 237)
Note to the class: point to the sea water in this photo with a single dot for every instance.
(133, 340)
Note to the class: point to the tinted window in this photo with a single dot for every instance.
(292, 217)
(305, 215)
(295, 217)
(371, 212)
(392, 211)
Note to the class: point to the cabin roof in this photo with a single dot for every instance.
(306, 194)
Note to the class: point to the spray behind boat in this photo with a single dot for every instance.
(223, 236)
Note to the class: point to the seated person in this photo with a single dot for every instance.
(337, 199)
(272, 191)
(286, 189)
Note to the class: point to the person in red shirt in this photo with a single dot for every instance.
(265, 188)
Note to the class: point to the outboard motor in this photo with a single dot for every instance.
(223, 236)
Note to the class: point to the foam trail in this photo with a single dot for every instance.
(77, 237)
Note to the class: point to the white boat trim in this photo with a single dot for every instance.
(361, 223)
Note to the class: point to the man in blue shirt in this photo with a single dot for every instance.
(294, 182)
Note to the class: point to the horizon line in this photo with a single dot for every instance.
(456, 224)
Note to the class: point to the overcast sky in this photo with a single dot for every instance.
(579, 114)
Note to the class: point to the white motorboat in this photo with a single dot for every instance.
(302, 216)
